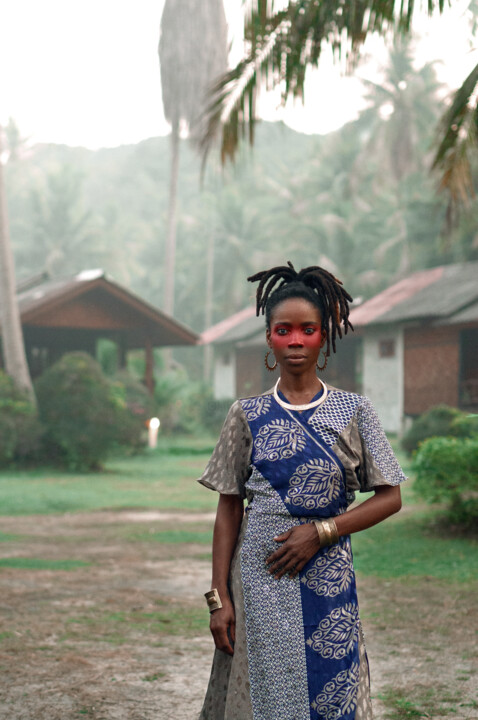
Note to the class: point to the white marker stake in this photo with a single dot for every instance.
(153, 427)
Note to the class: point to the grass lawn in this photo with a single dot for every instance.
(162, 479)
(398, 562)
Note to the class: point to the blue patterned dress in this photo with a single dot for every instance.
(299, 652)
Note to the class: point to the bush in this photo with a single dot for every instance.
(214, 413)
(135, 407)
(78, 411)
(439, 421)
(446, 472)
(19, 426)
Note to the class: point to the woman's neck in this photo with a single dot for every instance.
(299, 389)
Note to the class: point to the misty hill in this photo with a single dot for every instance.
(330, 199)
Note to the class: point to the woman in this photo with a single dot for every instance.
(283, 603)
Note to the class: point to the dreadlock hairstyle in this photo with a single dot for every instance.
(314, 284)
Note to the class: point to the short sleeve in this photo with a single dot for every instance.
(378, 466)
(229, 466)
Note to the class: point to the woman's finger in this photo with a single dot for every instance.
(232, 632)
(276, 555)
(283, 537)
(221, 640)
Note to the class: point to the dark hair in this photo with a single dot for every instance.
(314, 284)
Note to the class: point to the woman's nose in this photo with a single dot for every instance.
(295, 339)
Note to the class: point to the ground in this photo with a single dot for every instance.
(111, 624)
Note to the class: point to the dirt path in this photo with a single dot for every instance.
(109, 640)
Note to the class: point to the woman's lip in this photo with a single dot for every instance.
(295, 357)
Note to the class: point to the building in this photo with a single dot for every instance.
(67, 314)
(420, 343)
(415, 345)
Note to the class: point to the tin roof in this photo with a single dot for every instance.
(446, 294)
(239, 326)
(436, 294)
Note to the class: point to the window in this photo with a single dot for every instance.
(386, 348)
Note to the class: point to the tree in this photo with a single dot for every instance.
(64, 240)
(12, 336)
(458, 137)
(281, 45)
(192, 53)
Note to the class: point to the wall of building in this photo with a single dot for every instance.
(432, 368)
(250, 371)
(383, 374)
(224, 380)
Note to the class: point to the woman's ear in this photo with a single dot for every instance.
(268, 338)
(324, 338)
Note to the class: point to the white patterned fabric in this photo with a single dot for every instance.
(331, 573)
(338, 697)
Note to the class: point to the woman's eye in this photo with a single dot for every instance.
(309, 331)
(281, 331)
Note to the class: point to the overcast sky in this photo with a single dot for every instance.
(87, 73)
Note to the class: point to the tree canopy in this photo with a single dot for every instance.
(280, 45)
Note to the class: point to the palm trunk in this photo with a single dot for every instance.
(12, 336)
(209, 303)
(170, 251)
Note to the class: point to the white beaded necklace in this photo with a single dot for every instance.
(300, 408)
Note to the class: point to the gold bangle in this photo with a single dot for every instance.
(332, 527)
(327, 532)
(213, 600)
(320, 532)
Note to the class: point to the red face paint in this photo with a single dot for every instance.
(295, 335)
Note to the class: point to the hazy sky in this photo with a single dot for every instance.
(87, 73)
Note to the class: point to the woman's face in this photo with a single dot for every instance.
(295, 335)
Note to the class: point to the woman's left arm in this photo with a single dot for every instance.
(302, 542)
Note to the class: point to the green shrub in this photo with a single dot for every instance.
(19, 426)
(446, 472)
(170, 391)
(78, 411)
(465, 426)
(439, 421)
(188, 406)
(214, 413)
(135, 406)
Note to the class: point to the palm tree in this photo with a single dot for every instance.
(12, 337)
(281, 45)
(401, 110)
(192, 53)
(457, 138)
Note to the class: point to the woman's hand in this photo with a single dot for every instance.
(300, 543)
(223, 627)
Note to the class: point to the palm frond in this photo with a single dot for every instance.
(281, 45)
(458, 136)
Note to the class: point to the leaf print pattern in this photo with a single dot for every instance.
(279, 439)
(315, 484)
(337, 633)
(256, 406)
(338, 697)
(331, 573)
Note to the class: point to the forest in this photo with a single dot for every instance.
(362, 201)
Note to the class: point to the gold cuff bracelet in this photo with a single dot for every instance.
(327, 531)
(213, 600)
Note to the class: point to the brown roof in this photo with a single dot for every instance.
(92, 301)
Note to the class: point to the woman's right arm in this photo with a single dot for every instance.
(230, 511)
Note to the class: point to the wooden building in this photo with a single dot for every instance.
(62, 315)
